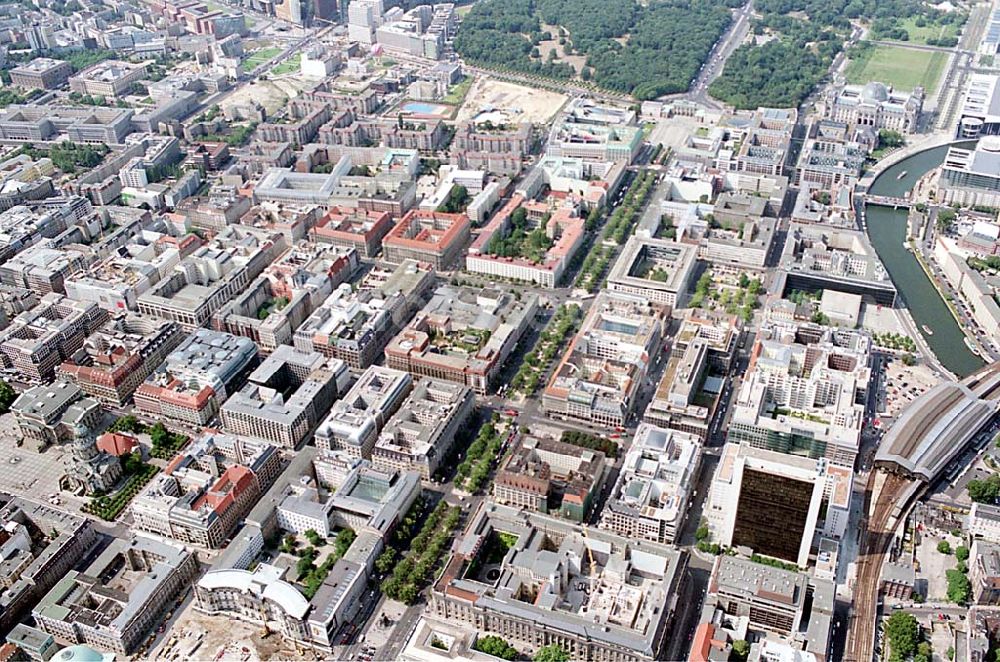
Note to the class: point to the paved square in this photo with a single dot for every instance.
(31, 474)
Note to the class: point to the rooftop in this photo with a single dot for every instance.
(599, 586)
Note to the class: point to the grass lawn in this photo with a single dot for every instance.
(289, 66)
(456, 95)
(260, 57)
(929, 31)
(902, 68)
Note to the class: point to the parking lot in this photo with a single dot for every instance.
(933, 564)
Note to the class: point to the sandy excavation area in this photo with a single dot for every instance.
(523, 103)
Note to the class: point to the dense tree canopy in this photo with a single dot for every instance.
(764, 76)
(810, 33)
(643, 50)
(903, 633)
(551, 653)
(496, 646)
(985, 491)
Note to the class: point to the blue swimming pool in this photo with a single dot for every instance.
(423, 108)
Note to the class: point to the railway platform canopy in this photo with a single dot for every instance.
(939, 425)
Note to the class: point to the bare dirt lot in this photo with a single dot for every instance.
(272, 94)
(524, 103)
(576, 61)
(223, 639)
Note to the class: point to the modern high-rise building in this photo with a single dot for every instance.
(774, 503)
(804, 392)
(363, 18)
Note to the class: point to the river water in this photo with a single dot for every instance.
(887, 231)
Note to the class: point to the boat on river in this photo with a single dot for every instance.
(901, 175)
(971, 345)
(927, 330)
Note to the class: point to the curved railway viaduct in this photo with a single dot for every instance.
(935, 429)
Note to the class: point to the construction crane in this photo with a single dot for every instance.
(590, 558)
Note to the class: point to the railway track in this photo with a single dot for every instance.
(876, 537)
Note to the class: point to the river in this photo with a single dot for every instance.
(887, 231)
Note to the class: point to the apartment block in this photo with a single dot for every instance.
(705, 344)
(118, 598)
(563, 227)
(427, 236)
(92, 125)
(197, 377)
(650, 498)
(41, 73)
(627, 615)
(212, 275)
(545, 475)
(420, 434)
(598, 377)
(355, 420)
(109, 79)
(497, 149)
(984, 573)
(357, 228)
(40, 545)
(788, 614)
(285, 397)
(804, 392)
(278, 301)
(39, 339)
(206, 490)
(462, 335)
(298, 124)
(655, 268)
(118, 357)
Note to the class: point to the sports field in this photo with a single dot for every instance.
(902, 68)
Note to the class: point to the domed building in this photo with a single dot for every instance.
(875, 105)
(81, 653)
(90, 469)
